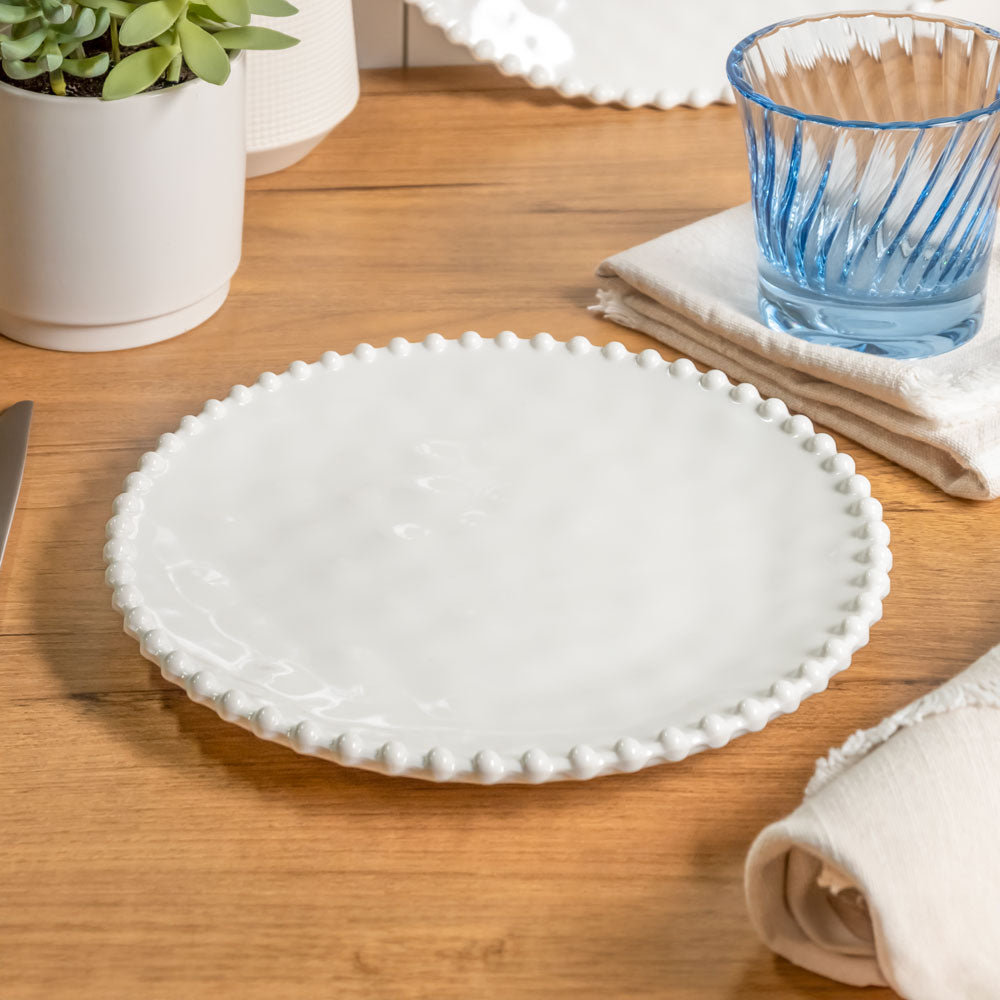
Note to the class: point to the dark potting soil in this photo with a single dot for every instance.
(78, 87)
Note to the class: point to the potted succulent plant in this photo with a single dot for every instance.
(122, 172)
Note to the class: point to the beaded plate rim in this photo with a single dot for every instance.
(581, 762)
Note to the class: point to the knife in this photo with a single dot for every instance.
(14, 424)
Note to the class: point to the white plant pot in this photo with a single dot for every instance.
(122, 220)
(295, 97)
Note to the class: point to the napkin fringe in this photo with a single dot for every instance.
(611, 305)
(948, 698)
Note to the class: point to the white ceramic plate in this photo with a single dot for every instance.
(634, 52)
(498, 560)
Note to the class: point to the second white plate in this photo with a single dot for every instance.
(634, 52)
(498, 560)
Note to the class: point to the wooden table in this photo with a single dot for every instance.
(148, 850)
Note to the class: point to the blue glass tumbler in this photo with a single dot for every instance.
(874, 149)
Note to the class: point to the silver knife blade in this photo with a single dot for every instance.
(14, 424)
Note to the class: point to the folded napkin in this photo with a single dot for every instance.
(889, 872)
(695, 289)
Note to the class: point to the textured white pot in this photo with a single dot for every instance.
(295, 97)
(122, 220)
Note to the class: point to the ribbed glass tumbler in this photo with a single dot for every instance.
(874, 148)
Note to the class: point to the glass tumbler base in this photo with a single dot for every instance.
(917, 329)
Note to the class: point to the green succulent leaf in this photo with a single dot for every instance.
(82, 24)
(87, 68)
(101, 23)
(116, 8)
(9, 14)
(55, 10)
(204, 13)
(235, 11)
(57, 13)
(149, 20)
(137, 72)
(254, 38)
(17, 69)
(272, 8)
(22, 69)
(204, 56)
(23, 47)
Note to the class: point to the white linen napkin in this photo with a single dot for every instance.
(695, 289)
(889, 872)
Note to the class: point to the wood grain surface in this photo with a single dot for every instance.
(149, 850)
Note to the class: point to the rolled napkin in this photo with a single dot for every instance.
(695, 289)
(888, 874)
